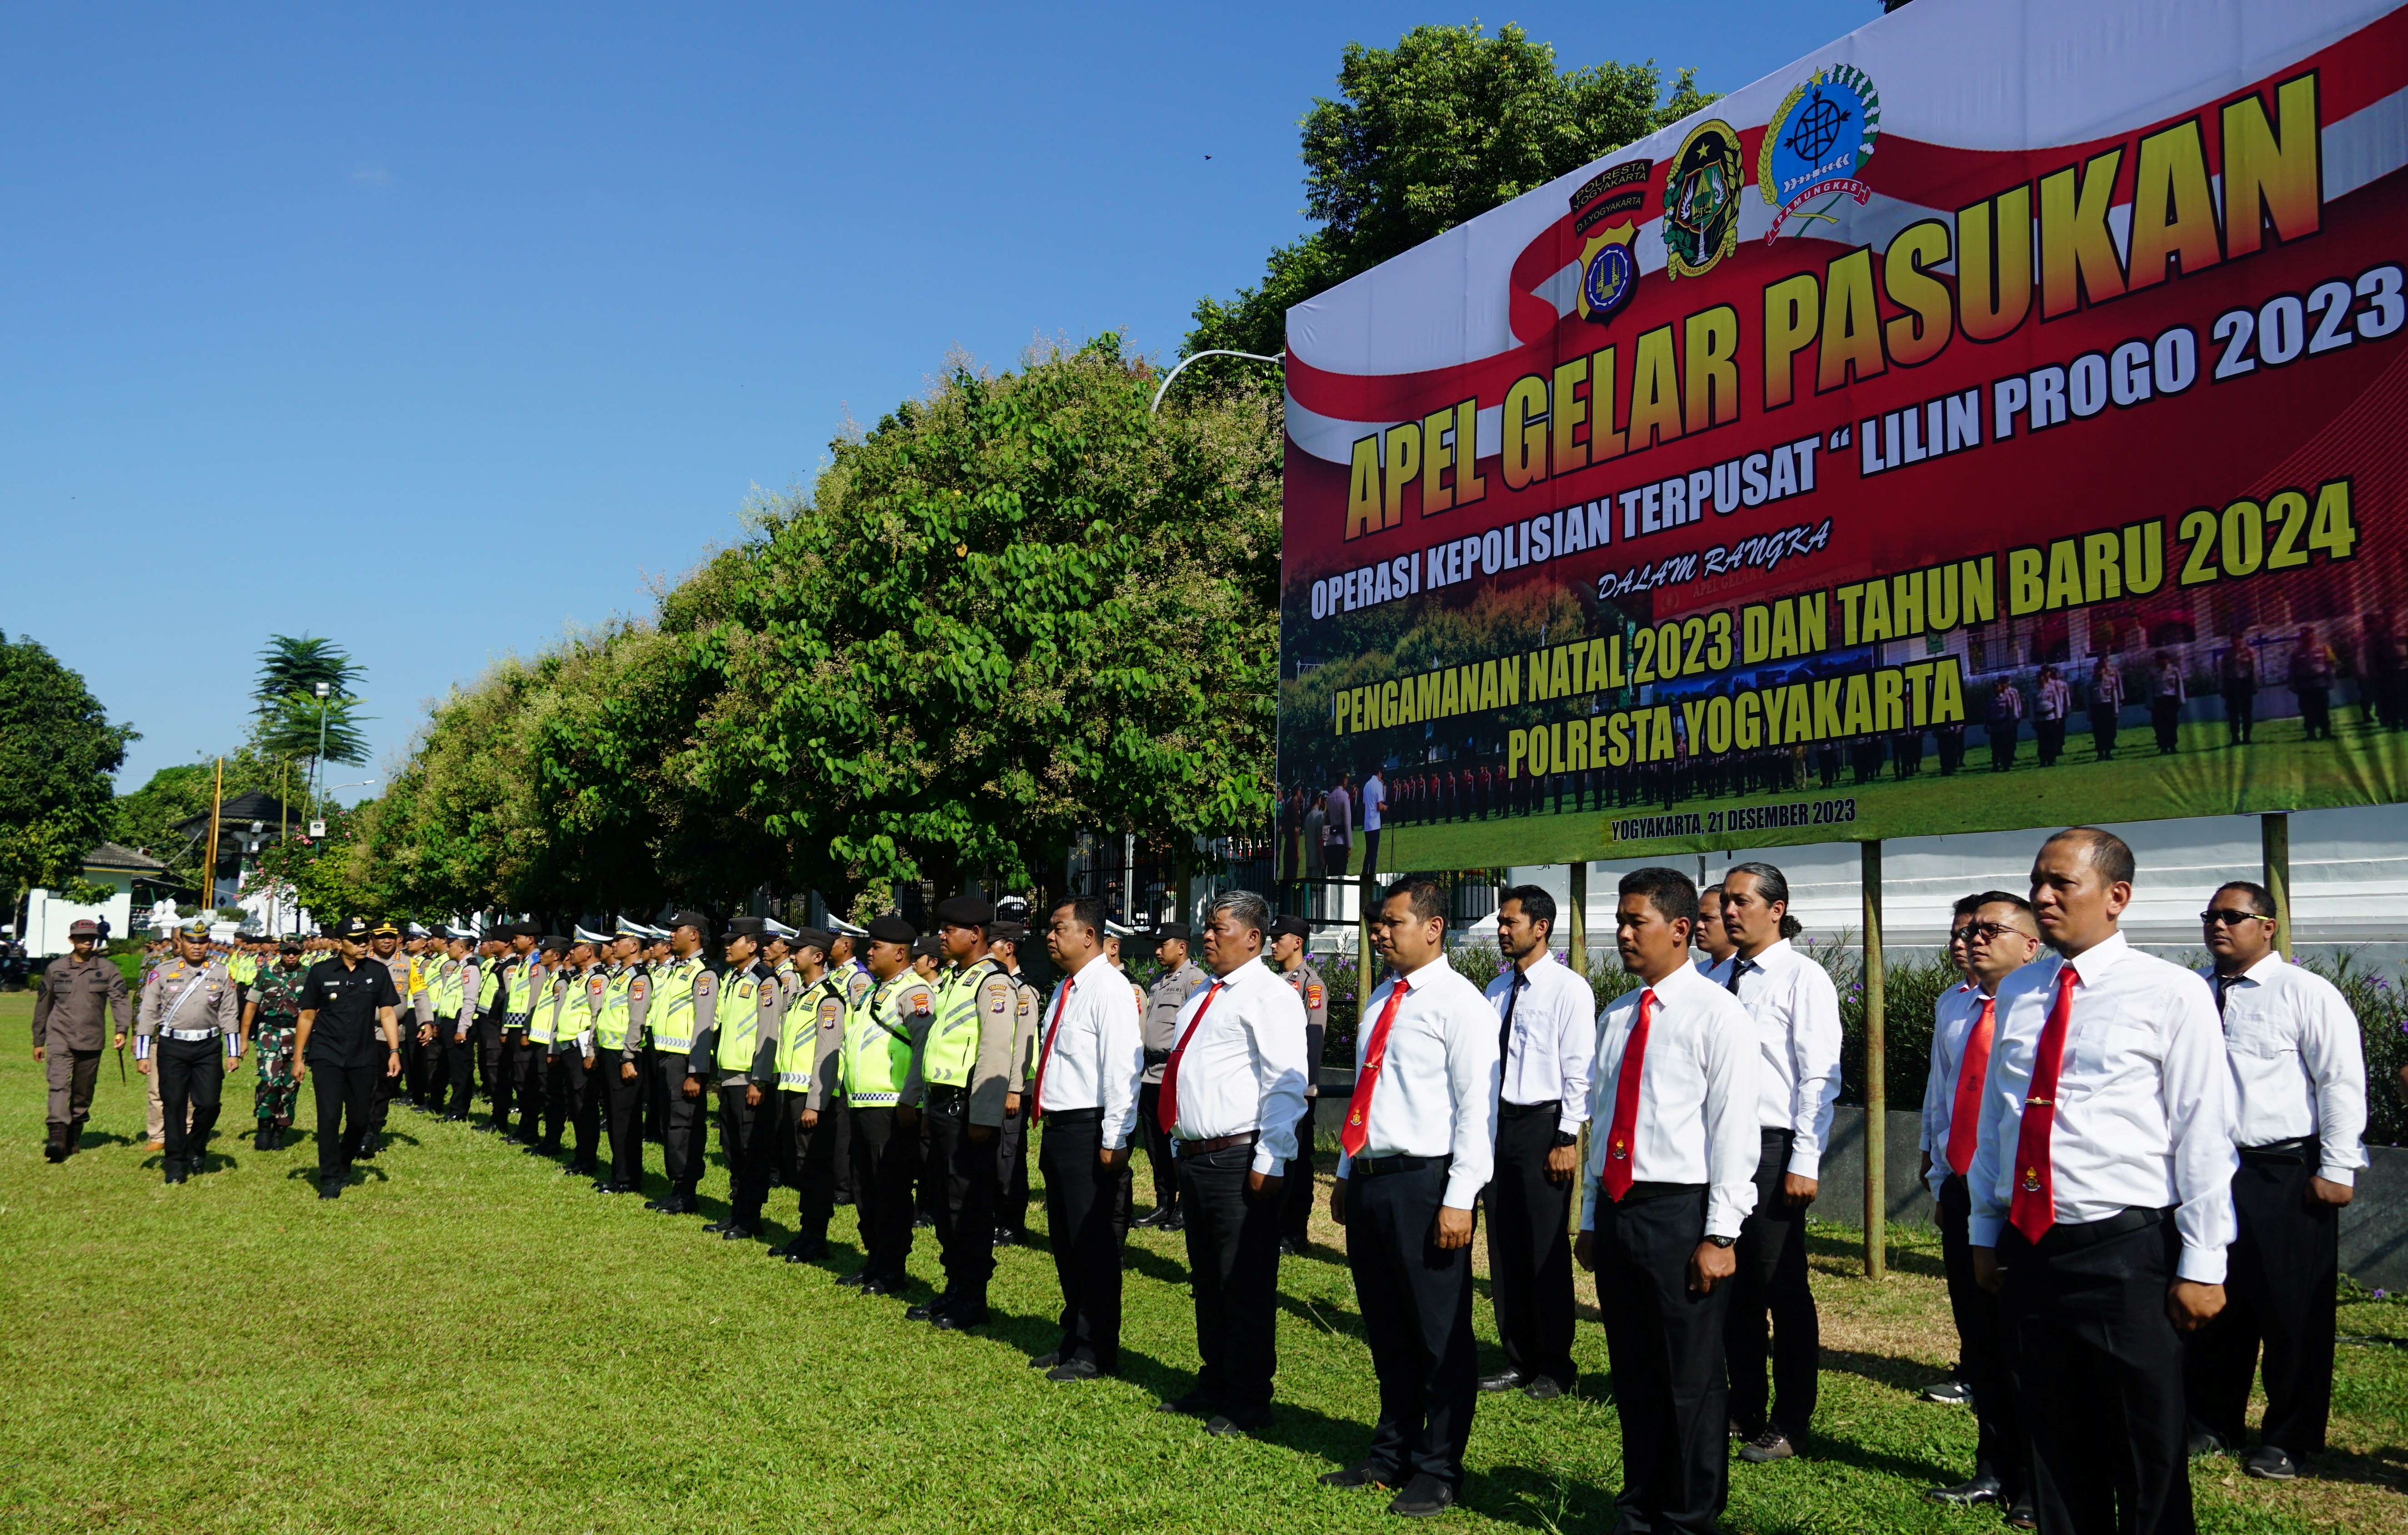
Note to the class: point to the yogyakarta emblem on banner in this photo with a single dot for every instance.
(1702, 195)
(1816, 144)
(1605, 218)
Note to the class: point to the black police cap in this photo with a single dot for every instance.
(743, 927)
(1291, 927)
(1174, 929)
(964, 911)
(695, 920)
(893, 930)
(813, 937)
(352, 927)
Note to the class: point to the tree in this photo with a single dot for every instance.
(1438, 129)
(57, 750)
(287, 729)
(149, 817)
(291, 665)
(325, 875)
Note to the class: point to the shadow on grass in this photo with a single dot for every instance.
(1905, 1375)
(1835, 1253)
(1540, 1497)
(1841, 1452)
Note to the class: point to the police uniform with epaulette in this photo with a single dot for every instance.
(967, 1068)
(686, 1001)
(885, 1029)
(737, 1053)
(185, 1033)
(809, 1046)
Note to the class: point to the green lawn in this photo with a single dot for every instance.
(467, 1341)
(2279, 769)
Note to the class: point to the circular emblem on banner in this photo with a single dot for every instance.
(1701, 197)
(1608, 282)
(1816, 144)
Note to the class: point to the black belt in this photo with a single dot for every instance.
(1639, 1193)
(1156, 1057)
(1218, 1142)
(2297, 1152)
(1375, 1167)
(1075, 1117)
(943, 1095)
(1524, 1111)
(2073, 1234)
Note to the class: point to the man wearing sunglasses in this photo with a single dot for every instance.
(2298, 1074)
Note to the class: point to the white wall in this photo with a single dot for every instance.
(47, 919)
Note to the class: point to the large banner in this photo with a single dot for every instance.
(1997, 419)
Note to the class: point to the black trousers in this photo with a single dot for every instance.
(531, 1088)
(1530, 1245)
(2050, 736)
(559, 1095)
(623, 1108)
(2098, 1369)
(191, 1078)
(748, 1138)
(2239, 714)
(1233, 1270)
(1083, 1212)
(682, 1124)
(807, 1158)
(1664, 1349)
(885, 1159)
(836, 1118)
(1157, 1146)
(1011, 1172)
(344, 1096)
(500, 1055)
(966, 1172)
(582, 1105)
(2165, 719)
(2315, 712)
(386, 1087)
(1981, 1361)
(1295, 1199)
(2279, 1290)
(2102, 732)
(457, 1081)
(1771, 1278)
(1416, 1303)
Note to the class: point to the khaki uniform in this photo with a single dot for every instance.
(1297, 1193)
(1011, 1139)
(1158, 1010)
(187, 1075)
(68, 1012)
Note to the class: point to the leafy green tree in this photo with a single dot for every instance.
(57, 750)
(297, 664)
(326, 875)
(1445, 125)
(288, 730)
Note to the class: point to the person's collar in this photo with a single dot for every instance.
(2260, 973)
(1416, 976)
(1546, 956)
(1243, 974)
(2101, 958)
(1681, 975)
(1088, 971)
(1762, 959)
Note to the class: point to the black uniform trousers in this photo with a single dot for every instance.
(1012, 1171)
(1664, 1350)
(1157, 1146)
(2098, 1369)
(1416, 1303)
(748, 1138)
(1233, 1270)
(191, 1078)
(1981, 1362)
(345, 1094)
(966, 1173)
(836, 1120)
(2279, 1289)
(623, 1110)
(1530, 1245)
(456, 1079)
(584, 1091)
(1296, 1197)
(1772, 1277)
(495, 1048)
(682, 1123)
(1084, 1215)
(885, 1159)
(807, 1158)
(532, 1090)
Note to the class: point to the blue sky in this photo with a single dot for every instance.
(439, 329)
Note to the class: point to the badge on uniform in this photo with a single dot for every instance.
(1621, 1149)
(1312, 994)
(2031, 1180)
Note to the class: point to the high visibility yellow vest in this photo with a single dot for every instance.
(489, 986)
(740, 1019)
(798, 1036)
(953, 1042)
(519, 1001)
(576, 1012)
(670, 1016)
(611, 1024)
(877, 1045)
(544, 1020)
(244, 969)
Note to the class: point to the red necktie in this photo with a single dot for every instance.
(1167, 1111)
(1616, 1176)
(1965, 1115)
(1357, 1132)
(2033, 1207)
(1037, 1089)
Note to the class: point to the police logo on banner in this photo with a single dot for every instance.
(1816, 144)
(1605, 218)
(1702, 195)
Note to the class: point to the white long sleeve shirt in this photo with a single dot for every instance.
(2298, 1066)
(1552, 1038)
(1092, 1054)
(1697, 1095)
(1240, 1048)
(1437, 1091)
(2144, 1101)
(1796, 1013)
(1952, 1024)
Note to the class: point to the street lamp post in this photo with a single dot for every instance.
(318, 768)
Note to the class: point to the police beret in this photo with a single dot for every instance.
(1005, 932)
(553, 944)
(1174, 929)
(349, 927)
(695, 920)
(814, 938)
(893, 930)
(1291, 927)
(964, 911)
(742, 927)
(927, 947)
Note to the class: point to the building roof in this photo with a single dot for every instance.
(240, 811)
(121, 860)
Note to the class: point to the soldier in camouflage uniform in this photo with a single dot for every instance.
(269, 1018)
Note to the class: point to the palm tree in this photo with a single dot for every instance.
(296, 665)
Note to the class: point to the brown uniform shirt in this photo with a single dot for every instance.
(68, 1010)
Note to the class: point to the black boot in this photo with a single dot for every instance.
(75, 1135)
(259, 1142)
(54, 1148)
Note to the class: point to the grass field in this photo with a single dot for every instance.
(2279, 769)
(468, 1342)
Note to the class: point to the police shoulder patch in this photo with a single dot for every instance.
(1313, 994)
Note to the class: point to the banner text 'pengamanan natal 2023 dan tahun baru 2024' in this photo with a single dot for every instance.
(2061, 345)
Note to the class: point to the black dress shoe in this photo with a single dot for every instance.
(54, 1153)
(1504, 1380)
(723, 1224)
(330, 1191)
(1364, 1475)
(1196, 1404)
(927, 1311)
(2271, 1463)
(1007, 1239)
(1424, 1497)
(1176, 1222)
(1046, 1360)
(1155, 1217)
(1237, 1425)
(1982, 1489)
(886, 1287)
(1076, 1370)
(738, 1231)
(2206, 1441)
(1949, 1393)
(807, 1252)
(2023, 1516)
(1290, 1247)
(925, 1223)
(855, 1280)
(1545, 1388)
(174, 1175)
(961, 1318)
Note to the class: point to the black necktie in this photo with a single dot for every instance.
(1505, 1028)
(1739, 967)
(2223, 983)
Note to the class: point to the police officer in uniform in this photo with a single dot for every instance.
(384, 943)
(883, 1033)
(621, 996)
(1290, 956)
(1180, 979)
(736, 1052)
(810, 1043)
(188, 1012)
(514, 998)
(851, 973)
(344, 1002)
(493, 955)
(966, 1069)
(453, 1077)
(1012, 1138)
(685, 1000)
(76, 993)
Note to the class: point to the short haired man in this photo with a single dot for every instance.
(346, 1003)
(2100, 1189)
(1291, 957)
(1419, 1145)
(1998, 937)
(685, 1003)
(885, 1029)
(1670, 1178)
(810, 1046)
(2298, 1076)
(1181, 980)
(968, 1068)
(1711, 935)
(188, 1017)
(78, 994)
(1546, 1036)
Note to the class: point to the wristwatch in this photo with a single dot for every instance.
(1722, 1241)
(1563, 1139)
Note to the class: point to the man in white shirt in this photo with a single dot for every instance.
(1547, 1034)
(1232, 1096)
(1796, 1013)
(1091, 1054)
(1670, 1178)
(1711, 936)
(1998, 937)
(2100, 1194)
(1338, 831)
(1418, 1145)
(2299, 1072)
(1375, 810)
